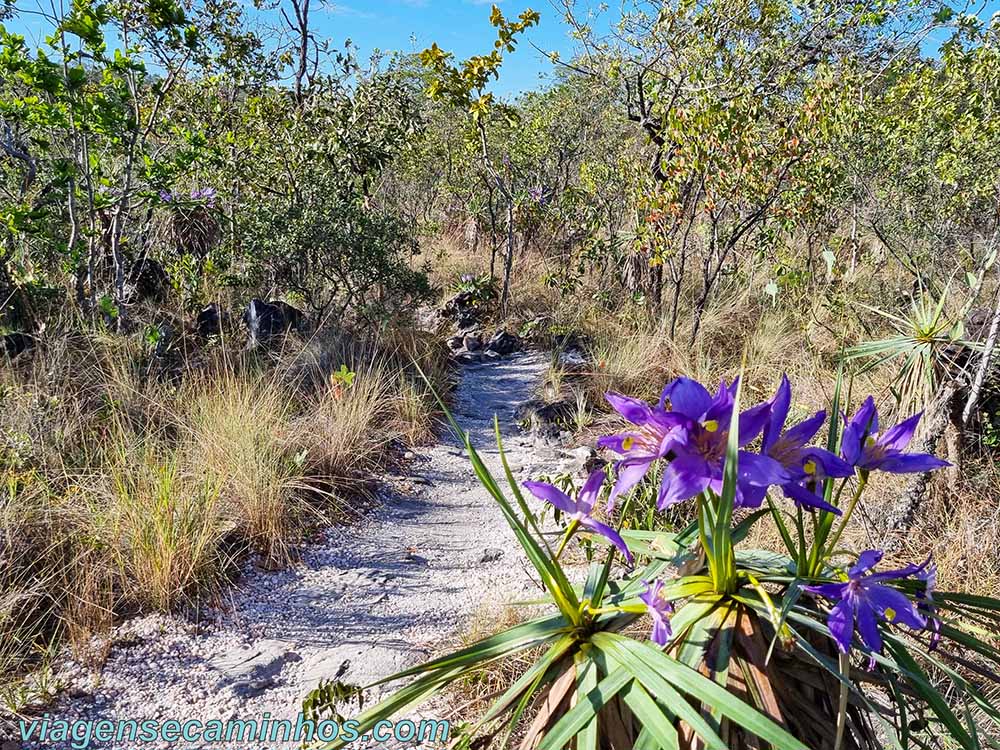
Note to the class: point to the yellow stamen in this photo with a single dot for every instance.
(889, 614)
(627, 443)
(870, 441)
(810, 467)
(711, 425)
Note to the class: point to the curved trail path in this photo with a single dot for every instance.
(367, 601)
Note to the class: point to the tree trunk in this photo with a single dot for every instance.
(984, 365)
(509, 259)
(939, 415)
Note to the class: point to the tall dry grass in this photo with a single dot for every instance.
(129, 488)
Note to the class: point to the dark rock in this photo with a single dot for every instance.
(455, 343)
(469, 358)
(503, 343)
(573, 361)
(544, 418)
(16, 343)
(473, 343)
(266, 319)
(491, 554)
(209, 321)
(467, 321)
(146, 281)
(461, 302)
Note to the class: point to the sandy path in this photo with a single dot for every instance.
(367, 601)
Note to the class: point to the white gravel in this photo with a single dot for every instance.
(367, 601)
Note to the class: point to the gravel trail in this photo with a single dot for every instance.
(366, 601)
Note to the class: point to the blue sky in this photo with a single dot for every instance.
(461, 26)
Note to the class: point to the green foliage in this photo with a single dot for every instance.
(925, 346)
(464, 85)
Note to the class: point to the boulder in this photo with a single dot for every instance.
(461, 302)
(266, 319)
(209, 321)
(473, 343)
(503, 343)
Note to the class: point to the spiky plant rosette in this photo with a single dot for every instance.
(191, 225)
(810, 647)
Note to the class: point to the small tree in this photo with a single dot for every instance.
(465, 86)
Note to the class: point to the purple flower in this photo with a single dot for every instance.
(658, 609)
(700, 454)
(863, 601)
(580, 510)
(862, 445)
(166, 196)
(204, 194)
(657, 433)
(808, 466)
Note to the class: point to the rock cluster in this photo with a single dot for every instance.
(469, 345)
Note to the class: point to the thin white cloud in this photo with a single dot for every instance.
(339, 9)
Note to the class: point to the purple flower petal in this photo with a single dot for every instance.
(911, 463)
(618, 442)
(591, 488)
(841, 624)
(894, 606)
(863, 423)
(868, 626)
(804, 431)
(685, 477)
(608, 533)
(809, 499)
(828, 590)
(687, 397)
(752, 421)
(630, 473)
(635, 411)
(661, 631)
(749, 496)
(761, 471)
(780, 403)
(866, 561)
(721, 408)
(829, 465)
(898, 437)
(658, 609)
(552, 495)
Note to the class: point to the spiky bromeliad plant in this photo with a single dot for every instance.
(811, 648)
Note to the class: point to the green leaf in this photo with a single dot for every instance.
(584, 712)
(661, 675)
(658, 730)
